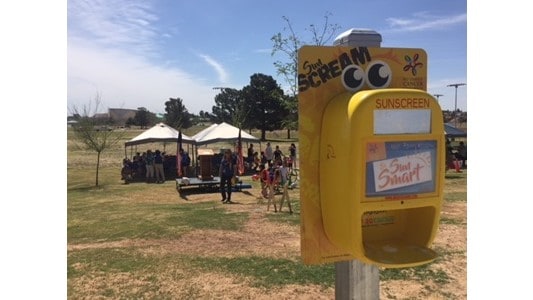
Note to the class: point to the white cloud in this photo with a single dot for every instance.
(222, 74)
(264, 50)
(124, 80)
(110, 43)
(423, 21)
(114, 23)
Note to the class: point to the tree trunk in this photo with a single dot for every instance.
(288, 134)
(97, 166)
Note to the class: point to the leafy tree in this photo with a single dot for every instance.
(205, 116)
(129, 122)
(288, 44)
(264, 104)
(226, 105)
(177, 115)
(231, 107)
(92, 132)
(144, 118)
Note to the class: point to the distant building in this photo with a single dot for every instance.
(101, 116)
(117, 116)
(121, 115)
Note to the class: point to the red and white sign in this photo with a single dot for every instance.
(402, 171)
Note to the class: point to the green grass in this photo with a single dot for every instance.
(443, 252)
(450, 174)
(421, 273)
(114, 211)
(97, 214)
(455, 196)
(123, 273)
(284, 216)
(148, 271)
(110, 260)
(451, 221)
(269, 272)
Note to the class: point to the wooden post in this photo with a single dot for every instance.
(285, 197)
(271, 197)
(355, 280)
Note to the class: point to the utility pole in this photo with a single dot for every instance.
(456, 85)
(437, 96)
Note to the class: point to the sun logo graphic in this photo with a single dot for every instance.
(412, 64)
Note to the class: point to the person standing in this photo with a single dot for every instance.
(226, 173)
(250, 155)
(149, 161)
(263, 159)
(269, 154)
(292, 155)
(158, 167)
(449, 156)
(278, 156)
(256, 161)
(263, 177)
(461, 154)
(185, 162)
(284, 179)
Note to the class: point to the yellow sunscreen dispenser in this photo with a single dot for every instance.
(381, 170)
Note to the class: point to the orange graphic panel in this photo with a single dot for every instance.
(375, 151)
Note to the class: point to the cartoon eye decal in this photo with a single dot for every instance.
(379, 75)
(353, 78)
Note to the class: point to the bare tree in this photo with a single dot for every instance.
(288, 44)
(94, 133)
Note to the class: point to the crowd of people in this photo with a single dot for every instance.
(455, 155)
(272, 174)
(270, 156)
(271, 168)
(152, 166)
(272, 171)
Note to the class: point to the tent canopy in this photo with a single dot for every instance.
(221, 133)
(160, 133)
(204, 132)
(453, 132)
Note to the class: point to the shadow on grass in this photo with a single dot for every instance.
(455, 176)
(247, 193)
(184, 192)
(84, 188)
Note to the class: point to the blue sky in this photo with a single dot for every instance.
(139, 53)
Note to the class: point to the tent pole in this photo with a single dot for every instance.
(195, 159)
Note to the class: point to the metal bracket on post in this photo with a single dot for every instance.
(355, 280)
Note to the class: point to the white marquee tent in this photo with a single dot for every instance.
(221, 133)
(159, 133)
(215, 133)
(203, 133)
